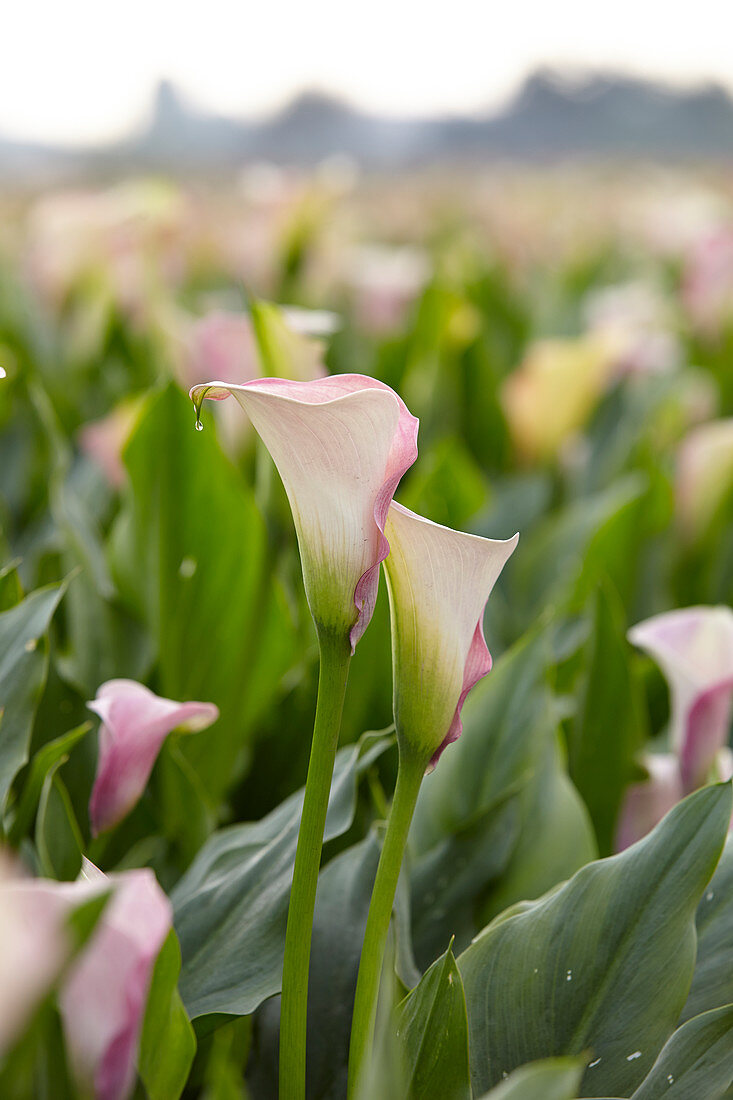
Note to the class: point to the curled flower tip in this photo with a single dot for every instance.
(135, 723)
(341, 445)
(439, 582)
(694, 649)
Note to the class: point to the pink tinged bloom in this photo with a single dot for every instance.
(135, 723)
(34, 945)
(341, 445)
(439, 581)
(646, 803)
(694, 649)
(104, 996)
(704, 475)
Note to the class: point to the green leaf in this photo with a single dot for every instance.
(23, 668)
(191, 556)
(550, 1079)
(49, 757)
(167, 1042)
(608, 729)
(342, 903)
(697, 1061)
(11, 590)
(497, 820)
(231, 905)
(712, 982)
(58, 838)
(432, 1025)
(604, 963)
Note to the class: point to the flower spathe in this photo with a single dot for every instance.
(104, 997)
(135, 723)
(439, 581)
(694, 649)
(341, 445)
(104, 989)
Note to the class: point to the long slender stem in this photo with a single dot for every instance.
(409, 778)
(334, 670)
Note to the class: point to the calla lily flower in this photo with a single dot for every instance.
(341, 445)
(704, 475)
(104, 989)
(34, 945)
(694, 649)
(135, 723)
(551, 395)
(104, 997)
(439, 581)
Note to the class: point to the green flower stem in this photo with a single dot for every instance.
(409, 777)
(334, 670)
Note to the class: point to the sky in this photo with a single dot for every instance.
(83, 71)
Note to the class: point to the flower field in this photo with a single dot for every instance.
(372, 741)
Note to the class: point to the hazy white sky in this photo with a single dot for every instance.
(84, 70)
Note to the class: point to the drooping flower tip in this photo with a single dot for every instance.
(135, 723)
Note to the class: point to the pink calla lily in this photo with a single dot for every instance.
(104, 989)
(341, 445)
(135, 723)
(694, 649)
(439, 581)
(104, 996)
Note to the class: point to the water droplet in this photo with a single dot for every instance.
(591, 1064)
(31, 644)
(188, 567)
(569, 976)
(710, 895)
(670, 1078)
(450, 979)
(536, 970)
(636, 1054)
(199, 425)
(504, 1074)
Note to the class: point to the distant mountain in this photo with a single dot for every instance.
(552, 117)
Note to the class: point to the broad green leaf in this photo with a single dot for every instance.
(191, 555)
(231, 905)
(342, 903)
(712, 983)
(23, 668)
(550, 1079)
(432, 1027)
(497, 821)
(604, 963)
(167, 1041)
(58, 838)
(48, 758)
(697, 1061)
(608, 729)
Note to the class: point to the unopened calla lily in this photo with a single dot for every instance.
(341, 445)
(135, 723)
